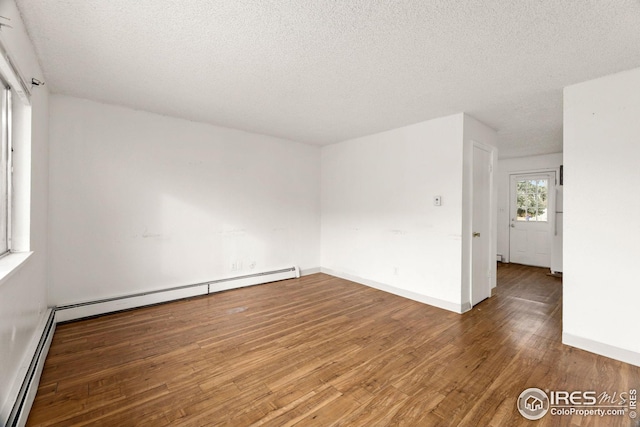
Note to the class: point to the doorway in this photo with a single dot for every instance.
(531, 218)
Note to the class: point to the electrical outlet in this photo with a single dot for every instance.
(437, 200)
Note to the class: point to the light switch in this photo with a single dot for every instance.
(437, 200)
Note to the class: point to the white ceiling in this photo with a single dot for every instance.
(323, 71)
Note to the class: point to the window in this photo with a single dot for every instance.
(15, 133)
(5, 171)
(15, 167)
(532, 199)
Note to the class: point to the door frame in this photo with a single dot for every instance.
(506, 258)
(491, 245)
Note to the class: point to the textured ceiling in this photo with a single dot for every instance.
(322, 71)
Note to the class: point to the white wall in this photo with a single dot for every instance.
(511, 166)
(379, 224)
(601, 202)
(23, 294)
(142, 202)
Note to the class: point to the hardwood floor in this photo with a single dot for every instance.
(322, 351)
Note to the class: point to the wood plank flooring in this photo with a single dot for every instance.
(320, 351)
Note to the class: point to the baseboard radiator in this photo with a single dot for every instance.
(108, 305)
(27, 392)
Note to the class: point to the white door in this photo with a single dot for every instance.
(531, 217)
(481, 224)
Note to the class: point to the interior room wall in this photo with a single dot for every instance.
(507, 167)
(23, 294)
(379, 223)
(144, 202)
(602, 182)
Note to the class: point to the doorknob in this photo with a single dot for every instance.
(476, 234)
(513, 226)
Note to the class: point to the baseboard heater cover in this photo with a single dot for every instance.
(108, 305)
(27, 393)
(253, 279)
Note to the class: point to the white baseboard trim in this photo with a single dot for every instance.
(446, 305)
(465, 307)
(26, 394)
(602, 349)
(310, 271)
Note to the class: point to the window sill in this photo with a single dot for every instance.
(11, 263)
